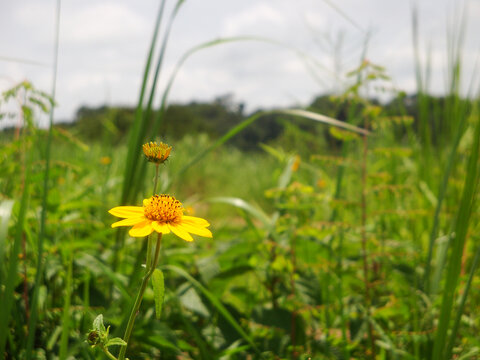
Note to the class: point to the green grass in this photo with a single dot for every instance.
(246, 269)
(366, 249)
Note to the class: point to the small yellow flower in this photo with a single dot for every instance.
(105, 160)
(156, 153)
(160, 213)
(296, 163)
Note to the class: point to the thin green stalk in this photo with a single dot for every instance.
(66, 310)
(156, 180)
(39, 271)
(86, 300)
(343, 317)
(458, 317)
(138, 301)
(6, 207)
(441, 196)
(458, 244)
(293, 295)
(333, 217)
(108, 353)
(6, 299)
(148, 262)
(368, 299)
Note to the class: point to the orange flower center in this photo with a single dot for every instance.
(163, 208)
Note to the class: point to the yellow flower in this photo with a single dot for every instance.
(156, 153)
(105, 160)
(296, 163)
(160, 213)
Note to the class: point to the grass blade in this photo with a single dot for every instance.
(66, 310)
(458, 244)
(136, 129)
(145, 121)
(6, 298)
(463, 300)
(242, 204)
(215, 302)
(38, 275)
(5, 214)
(325, 120)
(441, 196)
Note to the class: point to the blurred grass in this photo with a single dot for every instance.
(85, 186)
(316, 248)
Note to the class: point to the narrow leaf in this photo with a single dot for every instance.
(5, 214)
(158, 291)
(116, 341)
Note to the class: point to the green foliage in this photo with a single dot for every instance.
(99, 337)
(249, 269)
(331, 242)
(158, 291)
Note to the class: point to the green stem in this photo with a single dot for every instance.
(148, 261)
(156, 179)
(108, 353)
(138, 301)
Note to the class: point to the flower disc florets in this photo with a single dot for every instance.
(156, 153)
(163, 208)
(163, 214)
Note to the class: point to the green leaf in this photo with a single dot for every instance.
(116, 341)
(98, 324)
(158, 291)
(5, 214)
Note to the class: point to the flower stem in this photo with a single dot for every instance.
(156, 179)
(108, 353)
(149, 271)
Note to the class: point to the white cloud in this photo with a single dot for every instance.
(260, 16)
(102, 23)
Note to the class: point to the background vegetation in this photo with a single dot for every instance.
(328, 243)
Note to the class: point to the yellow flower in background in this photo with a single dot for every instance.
(105, 160)
(156, 153)
(296, 163)
(160, 213)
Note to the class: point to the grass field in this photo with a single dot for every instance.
(368, 249)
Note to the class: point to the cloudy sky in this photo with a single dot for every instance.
(103, 47)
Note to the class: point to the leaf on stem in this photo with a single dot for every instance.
(115, 341)
(158, 291)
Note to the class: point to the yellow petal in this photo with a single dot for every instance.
(128, 222)
(181, 233)
(142, 229)
(196, 230)
(195, 221)
(160, 228)
(126, 211)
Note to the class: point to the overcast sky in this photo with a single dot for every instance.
(104, 43)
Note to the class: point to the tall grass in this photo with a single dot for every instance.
(326, 254)
(48, 148)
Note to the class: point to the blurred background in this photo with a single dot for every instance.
(333, 146)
